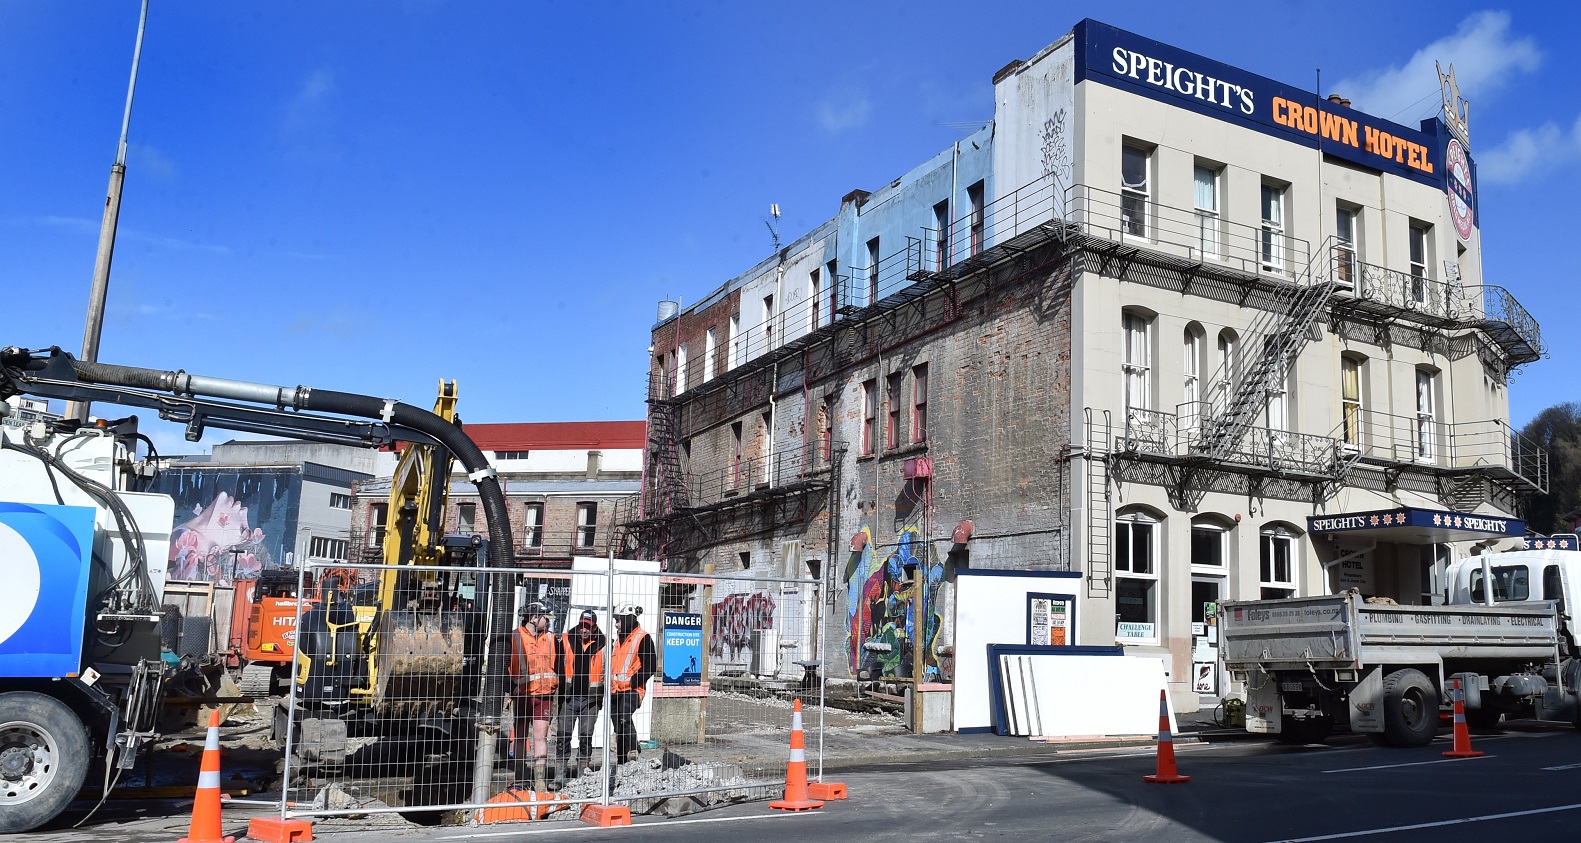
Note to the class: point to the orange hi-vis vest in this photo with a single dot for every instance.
(624, 660)
(595, 665)
(532, 664)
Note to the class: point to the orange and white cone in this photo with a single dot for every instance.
(796, 798)
(1167, 774)
(1462, 735)
(205, 827)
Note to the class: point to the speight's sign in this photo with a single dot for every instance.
(1158, 71)
(1412, 517)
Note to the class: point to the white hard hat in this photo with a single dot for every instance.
(631, 609)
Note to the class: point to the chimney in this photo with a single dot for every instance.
(1338, 100)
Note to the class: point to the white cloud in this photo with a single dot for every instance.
(1527, 151)
(842, 111)
(1485, 55)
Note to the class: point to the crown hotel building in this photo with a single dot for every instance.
(1163, 333)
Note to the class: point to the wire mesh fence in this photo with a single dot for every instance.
(622, 684)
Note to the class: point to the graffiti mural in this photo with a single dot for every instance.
(231, 523)
(880, 610)
(733, 620)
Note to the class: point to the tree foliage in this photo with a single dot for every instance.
(1558, 431)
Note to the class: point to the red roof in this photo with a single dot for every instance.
(551, 436)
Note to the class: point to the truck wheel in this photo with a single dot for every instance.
(1410, 708)
(43, 759)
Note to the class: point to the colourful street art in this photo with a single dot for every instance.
(231, 523)
(881, 622)
(733, 620)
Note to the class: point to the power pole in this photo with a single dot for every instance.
(112, 211)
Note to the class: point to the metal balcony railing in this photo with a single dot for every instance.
(1178, 435)
(748, 475)
(1392, 439)
(1391, 291)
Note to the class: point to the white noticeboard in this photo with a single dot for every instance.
(590, 589)
(1053, 695)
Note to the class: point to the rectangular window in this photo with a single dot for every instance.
(919, 403)
(512, 455)
(941, 235)
(765, 442)
(733, 342)
(1277, 566)
(1136, 580)
(1426, 415)
(1419, 265)
(1510, 583)
(1273, 230)
(680, 370)
(378, 521)
(1345, 246)
(1205, 590)
(586, 524)
(710, 348)
(869, 416)
(1207, 545)
(532, 525)
(892, 422)
(872, 270)
(826, 427)
(1350, 398)
(1135, 189)
(326, 548)
(833, 275)
(768, 322)
(737, 456)
(1205, 198)
(974, 196)
(338, 500)
(466, 517)
(1136, 363)
(815, 299)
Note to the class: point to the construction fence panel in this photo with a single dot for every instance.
(391, 712)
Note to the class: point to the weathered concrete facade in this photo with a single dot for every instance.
(1153, 324)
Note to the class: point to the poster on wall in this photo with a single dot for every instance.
(1048, 620)
(683, 649)
(230, 523)
(1205, 677)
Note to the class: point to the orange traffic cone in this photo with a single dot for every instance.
(1166, 748)
(796, 798)
(1462, 735)
(205, 827)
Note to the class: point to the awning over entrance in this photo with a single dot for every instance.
(1409, 525)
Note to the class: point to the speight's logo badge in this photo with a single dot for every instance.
(1458, 186)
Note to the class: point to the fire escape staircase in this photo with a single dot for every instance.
(1265, 355)
(669, 483)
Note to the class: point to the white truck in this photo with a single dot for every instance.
(1387, 670)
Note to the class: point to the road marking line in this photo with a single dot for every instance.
(1483, 818)
(1560, 767)
(521, 832)
(1411, 764)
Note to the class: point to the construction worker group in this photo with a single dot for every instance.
(563, 675)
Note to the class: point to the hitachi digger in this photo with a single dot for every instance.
(81, 676)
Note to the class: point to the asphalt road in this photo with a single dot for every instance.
(1527, 786)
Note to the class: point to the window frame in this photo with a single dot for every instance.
(733, 341)
(532, 524)
(586, 524)
(1136, 200)
(1209, 242)
(710, 350)
(1136, 375)
(1426, 415)
(869, 416)
(1350, 405)
(1274, 224)
(680, 369)
(941, 235)
(873, 259)
(1347, 221)
(340, 500)
(1421, 272)
(976, 222)
(1268, 541)
(815, 298)
(919, 404)
(1126, 527)
(893, 385)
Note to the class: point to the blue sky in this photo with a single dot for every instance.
(373, 196)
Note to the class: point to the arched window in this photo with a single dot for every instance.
(1137, 557)
(1136, 360)
(1278, 561)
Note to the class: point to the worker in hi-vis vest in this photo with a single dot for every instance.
(535, 668)
(632, 662)
(581, 693)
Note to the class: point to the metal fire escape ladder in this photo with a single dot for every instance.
(1100, 504)
(1265, 354)
(669, 484)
